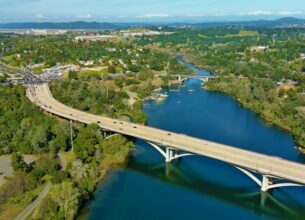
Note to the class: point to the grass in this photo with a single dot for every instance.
(37, 70)
(11, 208)
(66, 157)
(203, 36)
(92, 73)
(243, 33)
(8, 59)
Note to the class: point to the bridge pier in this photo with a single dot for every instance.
(108, 134)
(169, 154)
(268, 182)
(71, 134)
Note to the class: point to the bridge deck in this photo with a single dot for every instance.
(264, 164)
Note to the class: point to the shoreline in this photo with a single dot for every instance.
(82, 213)
(265, 119)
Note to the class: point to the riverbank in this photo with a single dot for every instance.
(268, 103)
(264, 109)
(107, 164)
(204, 186)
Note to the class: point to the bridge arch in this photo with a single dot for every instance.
(267, 182)
(169, 154)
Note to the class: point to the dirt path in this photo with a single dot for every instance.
(29, 209)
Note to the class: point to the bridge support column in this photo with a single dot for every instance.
(169, 154)
(267, 182)
(71, 134)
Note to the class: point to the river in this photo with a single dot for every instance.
(197, 187)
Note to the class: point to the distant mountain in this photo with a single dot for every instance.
(63, 25)
(288, 21)
(258, 23)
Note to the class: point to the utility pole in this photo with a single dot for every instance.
(71, 133)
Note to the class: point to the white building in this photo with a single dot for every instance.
(86, 63)
(258, 48)
(94, 38)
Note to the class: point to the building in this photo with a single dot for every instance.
(259, 48)
(127, 33)
(86, 63)
(59, 70)
(94, 38)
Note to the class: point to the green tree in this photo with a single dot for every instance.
(72, 75)
(67, 198)
(17, 162)
(86, 142)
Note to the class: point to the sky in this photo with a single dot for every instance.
(147, 10)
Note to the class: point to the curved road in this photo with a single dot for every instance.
(267, 165)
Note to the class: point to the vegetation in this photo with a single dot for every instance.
(117, 56)
(253, 76)
(93, 97)
(24, 128)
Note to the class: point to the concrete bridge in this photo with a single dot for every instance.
(183, 78)
(274, 172)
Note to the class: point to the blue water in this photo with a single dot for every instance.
(196, 187)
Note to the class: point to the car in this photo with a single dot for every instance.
(169, 134)
(121, 122)
(134, 126)
(99, 122)
(114, 122)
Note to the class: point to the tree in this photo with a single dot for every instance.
(86, 142)
(3, 78)
(17, 162)
(66, 196)
(72, 75)
(111, 69)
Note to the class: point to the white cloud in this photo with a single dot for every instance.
(154, 15)
(290, 13)
(85, 16)
(39, 16)
(258, 13)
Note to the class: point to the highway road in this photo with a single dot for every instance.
(259, 163)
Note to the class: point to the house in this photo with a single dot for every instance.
(86, 63)
(287, 85)
(259, 48)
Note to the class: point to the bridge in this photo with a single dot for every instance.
(268, 172)
(203, 78)
(183, 78)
